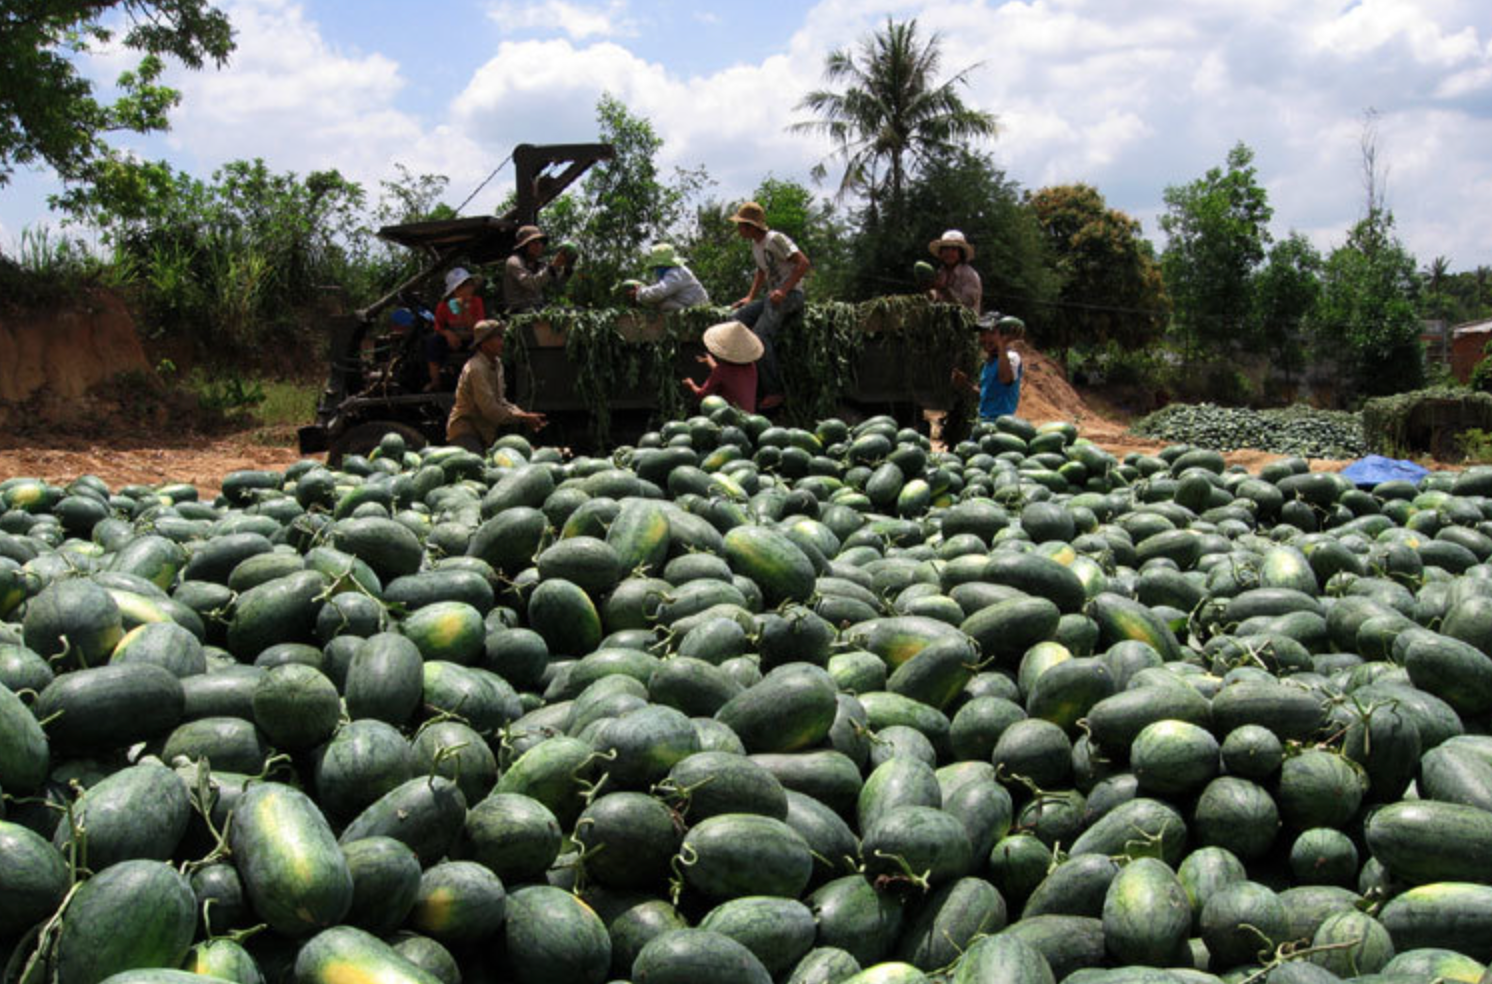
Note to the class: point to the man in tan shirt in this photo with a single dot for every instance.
(482, 407)
(526, 275)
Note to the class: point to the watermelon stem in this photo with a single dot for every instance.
(48, 936)
(1037, 793)
(202, 798)
(908, 876)
(444, 752)
(590, 790)
(1288, 951)
(687, 857)
(679, 796)
(270, 765)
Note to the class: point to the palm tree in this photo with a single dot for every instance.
(1436, 273)
(891, 108)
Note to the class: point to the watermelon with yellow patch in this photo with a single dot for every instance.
(459, 902)
(448, 631)
(344, 955)
(294, 874)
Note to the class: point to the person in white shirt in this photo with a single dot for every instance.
(675, 286)
(780, 269)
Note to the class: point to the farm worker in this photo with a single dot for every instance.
(459, 310)
(526, 275)
(482, 407)
(780, 267)
(674, 285)
(731, 352)
(386, 345)
(955, 282)
(999, 387)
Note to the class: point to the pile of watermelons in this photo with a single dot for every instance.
(1299, 429)
(749, 704)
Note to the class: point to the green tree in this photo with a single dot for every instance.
(722, 259)
(962, 190)
(1285, 293)
(1366, 318)
(1437, 302)
(239, 260)
(1111, 288)
(892, 115)
(50, 114)
(626, 204)
(1216, 230)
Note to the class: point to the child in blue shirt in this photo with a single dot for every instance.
(999, 387)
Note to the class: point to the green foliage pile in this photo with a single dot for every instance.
(817, 356)
(1298, 430)
(1412, 421)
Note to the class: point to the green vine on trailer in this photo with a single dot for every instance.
(818, 356)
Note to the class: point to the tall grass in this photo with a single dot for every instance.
(287, 402)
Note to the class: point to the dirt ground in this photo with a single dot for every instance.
(146, 456)
(201, 461)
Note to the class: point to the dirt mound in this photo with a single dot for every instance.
(51, 358)
(1045, 392)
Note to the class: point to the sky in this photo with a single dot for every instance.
(1130, 96)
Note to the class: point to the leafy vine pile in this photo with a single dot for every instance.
(1423, 420)
(818, 355)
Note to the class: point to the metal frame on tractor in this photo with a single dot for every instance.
(363, 402)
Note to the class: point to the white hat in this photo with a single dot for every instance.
(733, 342)
(955, 239)
(455, 277)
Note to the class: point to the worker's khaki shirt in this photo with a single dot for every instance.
(481, 406)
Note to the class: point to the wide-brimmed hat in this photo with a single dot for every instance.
(955, 239)
(455, 277)
(484, 330)
(733, 342)
(664, 255)
(526, 235)
(752, 214)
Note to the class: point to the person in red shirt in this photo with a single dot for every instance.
(459, 310)
(731, 352)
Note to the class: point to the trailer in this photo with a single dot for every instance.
(603, 377)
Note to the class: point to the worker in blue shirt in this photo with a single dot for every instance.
(999, 387)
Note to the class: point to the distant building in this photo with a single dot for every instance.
(1468, 342)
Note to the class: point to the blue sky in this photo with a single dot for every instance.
(1128, 95)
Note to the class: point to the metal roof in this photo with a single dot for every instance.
(1473, 328)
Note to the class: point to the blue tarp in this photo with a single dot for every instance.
(1375, 468)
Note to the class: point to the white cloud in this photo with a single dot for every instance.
(733, 121)
(1127, 95)
(578, 21)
